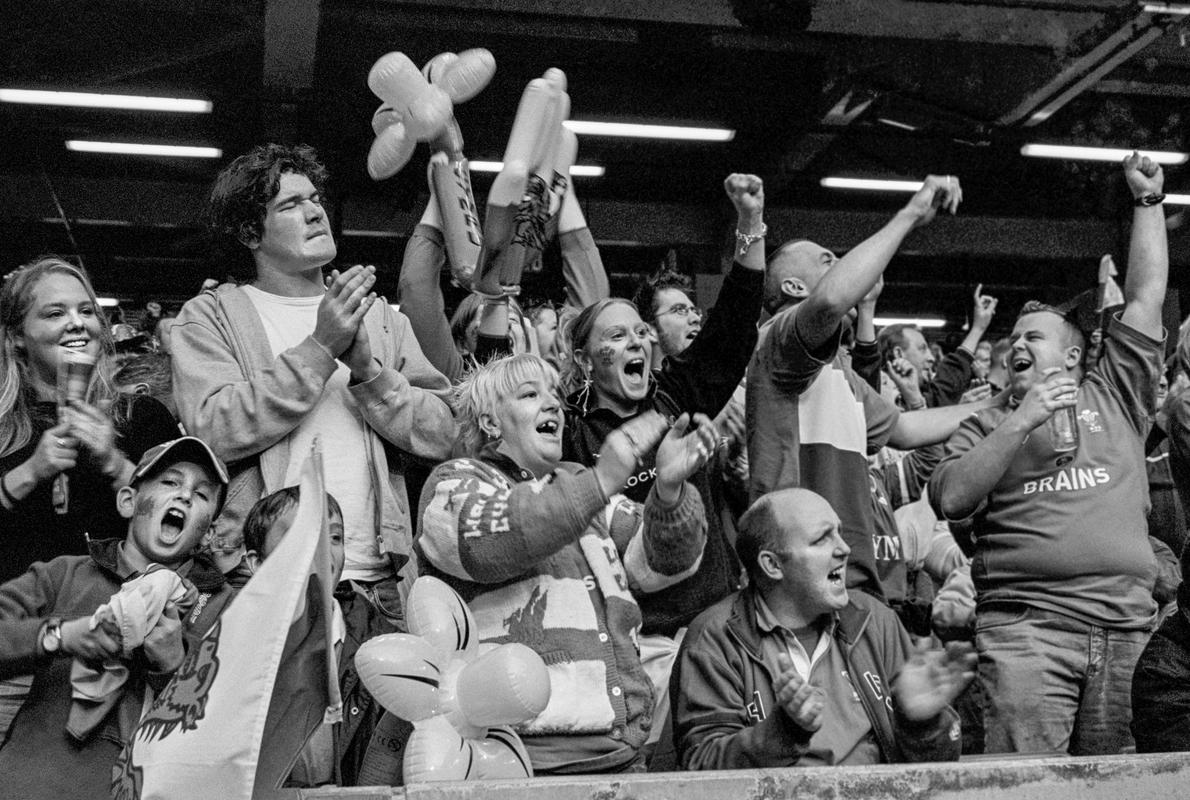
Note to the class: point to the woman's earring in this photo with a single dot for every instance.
(584, 395)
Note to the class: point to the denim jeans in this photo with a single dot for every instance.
(1054, 683)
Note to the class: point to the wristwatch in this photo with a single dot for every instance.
(51, 636)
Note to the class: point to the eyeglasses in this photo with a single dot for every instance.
(682, 310)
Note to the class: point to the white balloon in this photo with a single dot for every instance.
(467, 75)
(427, 114)
(403, 673)
(436, 65)
(437, 612)
(390, 151)
(384, 117)
(508, 684)
(458, 700)
(436, 752)
(396, 80)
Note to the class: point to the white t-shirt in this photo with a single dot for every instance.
(342, 434)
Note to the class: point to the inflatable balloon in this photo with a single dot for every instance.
(461, 701)
(519, 202)
(418, 105)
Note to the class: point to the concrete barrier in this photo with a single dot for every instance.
(1104, 778)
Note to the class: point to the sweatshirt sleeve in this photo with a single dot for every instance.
(667, 547)
(25, 605)
(582, 269)
(406, 403)
(218, 403)
(419, 292)
(478, 526)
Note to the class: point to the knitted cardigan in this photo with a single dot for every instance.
(552, 563)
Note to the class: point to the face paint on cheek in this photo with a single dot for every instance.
(606, 354)
(144, 506)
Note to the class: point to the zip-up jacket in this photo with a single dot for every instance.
(235, 395)
(39, 760)
(725, 713)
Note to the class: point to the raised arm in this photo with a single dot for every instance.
(932, 425)
(981, 320)
(420, 292)
(703, 377)
(865, 353)
(1148, 251)
(582, 266)
(845, 283)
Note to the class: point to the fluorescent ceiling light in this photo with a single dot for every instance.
(577, 170)
(1072, 153)
(921, 322)
(871, 184)
(638, 131)
(131, 149)
(1177, 199)
(108, 302)
(1180, 9)
(905, 126)
(89, 100)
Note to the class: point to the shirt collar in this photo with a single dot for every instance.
(767, 621)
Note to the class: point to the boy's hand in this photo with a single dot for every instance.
(163, 645)
(97, 645)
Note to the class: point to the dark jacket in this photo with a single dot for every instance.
(952, 375)
(1161, 689)
(725, 714)
(39, 759)
(700, 379)
(33, 531)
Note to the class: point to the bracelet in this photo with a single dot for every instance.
(5, 495)
(506, 291)
(746, 240)
(1151, 199)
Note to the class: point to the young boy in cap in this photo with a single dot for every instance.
(97, 629)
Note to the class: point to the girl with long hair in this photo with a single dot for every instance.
(46, 308)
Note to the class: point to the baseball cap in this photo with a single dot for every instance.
(189, 448)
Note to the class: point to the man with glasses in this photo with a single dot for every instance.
(797, 671)
(664, 302)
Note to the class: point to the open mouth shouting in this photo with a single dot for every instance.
(551, 428)
(634, 372)
(836, 575)
(173, 524)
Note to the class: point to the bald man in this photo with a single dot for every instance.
(811, 420)
(797, 671)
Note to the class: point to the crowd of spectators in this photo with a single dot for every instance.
(756, 533)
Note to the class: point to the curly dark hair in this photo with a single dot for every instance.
(241, 194)
(664, 278)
